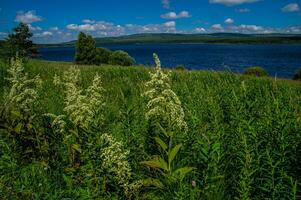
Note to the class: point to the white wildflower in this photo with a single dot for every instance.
(81, 106)
(23, 93)
(58, 123)
(115, 161)
(164, 105)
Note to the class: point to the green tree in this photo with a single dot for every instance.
(121, 58)
(85, 49)
(102, 56)
(18, 42)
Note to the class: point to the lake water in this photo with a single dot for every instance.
(279, 60)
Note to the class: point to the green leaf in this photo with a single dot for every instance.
(161, 143)
(18, 128)
(152, 182)
(16, 114)
(77, 147)
(162, 129)
(182, 172)
(156, 162)
(172, 154)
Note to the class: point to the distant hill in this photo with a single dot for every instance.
(213, 38)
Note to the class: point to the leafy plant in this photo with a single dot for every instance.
(180, 67)
(255, 71)
(164, 109)
(21, 125)
(121, 58)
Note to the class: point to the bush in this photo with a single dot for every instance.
(102, 56)
(297, 76)
(256, 71)
(121, 58)
(180, 67)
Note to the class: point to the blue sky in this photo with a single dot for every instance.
(61, 20)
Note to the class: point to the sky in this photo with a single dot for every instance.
(54, 21)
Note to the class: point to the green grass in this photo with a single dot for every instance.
(244, 133)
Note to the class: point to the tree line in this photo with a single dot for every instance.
(20, 42)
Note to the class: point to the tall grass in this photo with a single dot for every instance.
(243, 138)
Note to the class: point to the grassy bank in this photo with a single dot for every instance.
(243, 137)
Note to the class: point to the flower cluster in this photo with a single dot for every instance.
(23, 93)
(114, 158)
(81, 106)
(164, 105)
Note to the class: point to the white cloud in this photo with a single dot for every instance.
(165, 4)
(200, 30)
(217, 27)
(3, 35)
(292, 7)
(55, 28)
(243, 28)
(47, 33)
(27, 17)
(243, 10)
(293, 29)
(34, 28)
(232, 2)
(173, 15)
(88, 21)
(170, 24)
(229, 21)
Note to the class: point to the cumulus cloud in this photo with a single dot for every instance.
(200, 30)
(232, 2)
(229, 21)
(47, 33)
(170, 24)
(243, 28)
(217, 27)
(173, 15)
(292, 7)
(102, 28)
(27, 17)
(34, 28)
(165, 4)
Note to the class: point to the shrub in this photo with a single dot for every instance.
(256, 71)
(102, 56)
(180, 67)
(121, 58)
(297, 76)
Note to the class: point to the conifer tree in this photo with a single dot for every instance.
(18, 42)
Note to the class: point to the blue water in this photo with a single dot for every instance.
(278, 60)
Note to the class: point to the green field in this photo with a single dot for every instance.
(243, 138)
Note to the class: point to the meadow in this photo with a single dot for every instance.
(91, 133)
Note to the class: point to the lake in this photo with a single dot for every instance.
(278, 60)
